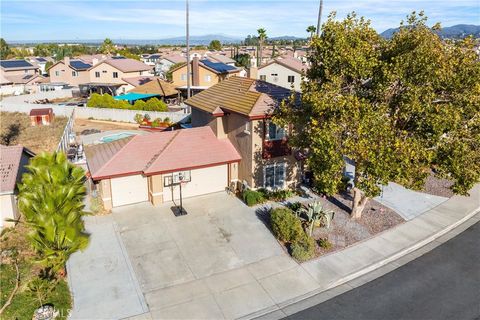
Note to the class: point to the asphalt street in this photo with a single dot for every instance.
(442, 284)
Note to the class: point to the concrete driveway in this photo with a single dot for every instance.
(210, 263)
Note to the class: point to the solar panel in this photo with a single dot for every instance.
(154, 56)
(218, 66)
(15, 64)
(41, 59)
(79, 65)
(118, 57)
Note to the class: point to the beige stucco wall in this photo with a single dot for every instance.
(203, 72)
(282, 78)
(65, 75)
(106, 74)
(16, 72)
(105, 193)
(155, 189)
(8, 209)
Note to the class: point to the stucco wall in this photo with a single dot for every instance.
(282, 78)
(177, 77)
(106, 74)
(8, 209)
(65, 75)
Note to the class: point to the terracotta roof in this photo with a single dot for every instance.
(157, 86)
(220, 58)
(127, 65)
(137, 81)
(250, 97)
(175, 58)
(291, 63)
(24, 78)
(41, 112)
(10, 171)
(161, 152)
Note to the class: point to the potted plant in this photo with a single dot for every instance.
(40, 289)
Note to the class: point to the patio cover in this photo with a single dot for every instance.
(132, 96)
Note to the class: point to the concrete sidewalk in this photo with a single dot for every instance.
(338, 268)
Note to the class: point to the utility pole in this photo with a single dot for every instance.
(320, 9)
(188, 55)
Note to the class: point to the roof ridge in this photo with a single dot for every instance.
(155, 156)
(113, 156)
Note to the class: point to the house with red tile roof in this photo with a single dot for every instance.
(147, 167)
(13, 160)
(284, 72)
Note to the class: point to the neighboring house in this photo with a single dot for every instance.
(239, 109)
(70, 71)
(285, 72)
(153, 60)
(41, 62)
(18, 76)
(166, 62)
(147, 167)
(39, 117)
(114, 70)
(205, 74)
(13, 160)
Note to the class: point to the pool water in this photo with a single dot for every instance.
(116, 136)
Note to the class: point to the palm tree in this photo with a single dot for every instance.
(51, 200)
(262, 36)
(311, 30)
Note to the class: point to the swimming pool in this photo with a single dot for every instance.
(116, 136)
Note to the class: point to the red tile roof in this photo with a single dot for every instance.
(158, 153)
(127, 65)
(10, 171)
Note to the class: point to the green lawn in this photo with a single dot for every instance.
(23, 304)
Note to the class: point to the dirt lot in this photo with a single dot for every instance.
(15, 129)
(84, 124)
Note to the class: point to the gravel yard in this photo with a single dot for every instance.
(437, 186)
(82, 125)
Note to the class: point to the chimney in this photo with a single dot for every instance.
(66, 60)
(195, 72)
(253, 73)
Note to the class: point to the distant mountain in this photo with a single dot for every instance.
(288, 38)
(200, 40)
(457, 32)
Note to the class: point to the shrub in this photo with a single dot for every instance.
(324, 243)
(285, 225)
(294, 206)
(138, 118)
(166, 120)
(146, 116)
(156, 122)
(154, 104)
(304, 249)
(276, 195)
(139, 105)
(252, 197)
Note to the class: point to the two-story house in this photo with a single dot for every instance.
(166, 63)
(70, 71)
(284, 72)
(18, 76)
(240, 109)
(204, 74)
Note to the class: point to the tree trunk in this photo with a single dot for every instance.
(359, 202)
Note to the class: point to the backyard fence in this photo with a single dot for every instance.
(64, 143)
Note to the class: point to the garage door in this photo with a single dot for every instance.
(128, 190)
(203, 181)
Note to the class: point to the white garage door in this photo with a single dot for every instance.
(203, 181)
(128, 190)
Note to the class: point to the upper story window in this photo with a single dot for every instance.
(291, 79)
(104, 71)
(97, 74)
(274, 74)
(263, 77)
(141, 72)
(57, 73)
(74, 73)
(115, 75)
(208, 78)
(183, 77)
(274, 132)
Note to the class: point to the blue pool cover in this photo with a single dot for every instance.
(132, 96)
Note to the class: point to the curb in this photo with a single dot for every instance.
(367, 269)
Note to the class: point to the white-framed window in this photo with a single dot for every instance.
(291, 79)
(208, 78)
(263, 77)
(183, 77)
(97, 74)
(74, 73)
(274, 132)
(274, 176)
(57, 73)
(115, 74)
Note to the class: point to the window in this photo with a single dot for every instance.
(208, 78)
(274, 74)
(104, 71)
(291, 79)
(97, 74)
(183, 77)
(274, 176)
(274, 132)
(115, 75)
(74, 74)
(57, 73)
(263, 77)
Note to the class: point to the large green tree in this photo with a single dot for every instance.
(4, 49)
(51, 200)
(396, 108)
(107, 47)
(215, 45)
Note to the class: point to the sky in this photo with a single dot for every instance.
(158, 19)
